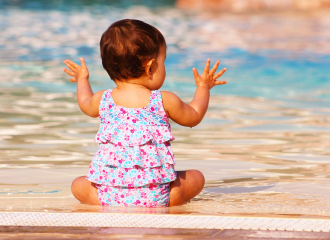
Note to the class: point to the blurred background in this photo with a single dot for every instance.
(264, 145)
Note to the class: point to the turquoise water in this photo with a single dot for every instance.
(263, 145)
(38, 33)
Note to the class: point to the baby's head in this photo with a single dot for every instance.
(129, 46)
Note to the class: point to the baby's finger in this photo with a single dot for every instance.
(215, 67)
(207, 66)
(73, 80)
(83, 63)
(219, 74)
(68, 72)
(219, 82)
(195, 72)
(67, 64)
(71, 65)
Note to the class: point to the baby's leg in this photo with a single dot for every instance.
(85, 191)
(186, 186)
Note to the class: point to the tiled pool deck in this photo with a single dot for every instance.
(40, 225)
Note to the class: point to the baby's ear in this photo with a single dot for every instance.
(149, 65)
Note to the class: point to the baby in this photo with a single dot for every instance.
(134, 163)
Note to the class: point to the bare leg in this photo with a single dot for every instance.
(85, 191)
(186, 186)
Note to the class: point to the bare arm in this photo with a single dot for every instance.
(192, 114)
(87, 100)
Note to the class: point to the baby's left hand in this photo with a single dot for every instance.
(77, 72)
(209, 78)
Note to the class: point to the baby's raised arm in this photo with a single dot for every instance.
(87, 100)
(191, 114)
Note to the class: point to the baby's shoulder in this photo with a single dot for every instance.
(97, 97)
(169, 98)
(170, 101)
(99, 94)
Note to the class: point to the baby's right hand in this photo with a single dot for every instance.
(208, 78)
(77, 72)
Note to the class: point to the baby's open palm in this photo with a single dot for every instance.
(77, 71)
(209, 78)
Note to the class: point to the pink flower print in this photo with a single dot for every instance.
(122, 196)
(113, 181)
(100, 177)
(115, 133)
(137, 202)
(126, 169)
(92, 171)
(128, 118)
(143, 152)
(151, 187)
(127, 138)
(143, 195)
(119, 143)
(152, 109)
(139, 176)
(156, 196)
(152, 204)
(120, 175)
(132, 130)
(106, 189)
(144, 136)
(134, 120)
(120, 161)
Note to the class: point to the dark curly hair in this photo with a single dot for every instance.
(127, 45)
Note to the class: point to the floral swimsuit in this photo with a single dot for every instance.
(134, 163)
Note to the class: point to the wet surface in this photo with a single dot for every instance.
(264, 145)
(248, 172)
(17, 232)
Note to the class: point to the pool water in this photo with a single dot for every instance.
(264, 145)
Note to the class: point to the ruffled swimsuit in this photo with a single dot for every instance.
(134, 163)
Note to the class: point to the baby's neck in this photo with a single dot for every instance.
(130, 85)
(131, 94)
